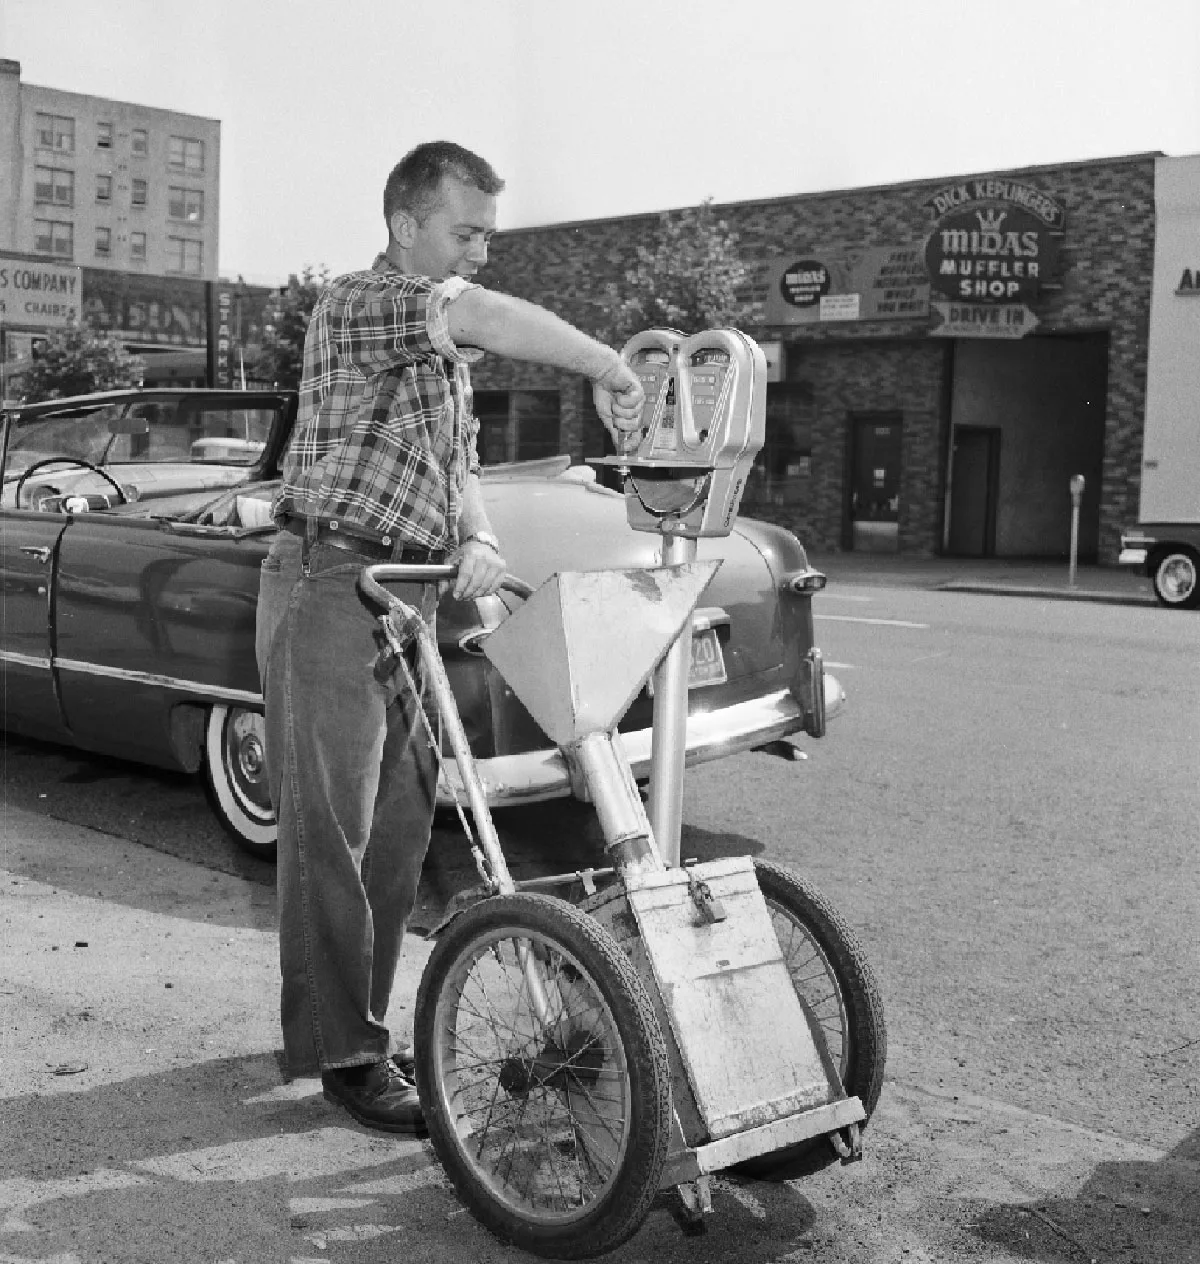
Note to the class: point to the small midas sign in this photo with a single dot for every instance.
(36, 295)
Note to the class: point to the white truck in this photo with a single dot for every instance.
(1165, 544)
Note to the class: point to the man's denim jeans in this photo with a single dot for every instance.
(352, 779)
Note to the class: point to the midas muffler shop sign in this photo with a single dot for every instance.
(38, 295)
(995, 241)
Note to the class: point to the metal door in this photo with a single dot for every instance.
(974, 481)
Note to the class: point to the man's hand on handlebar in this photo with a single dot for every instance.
(619, 397)
(481, 570)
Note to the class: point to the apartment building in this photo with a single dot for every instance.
(105, 184)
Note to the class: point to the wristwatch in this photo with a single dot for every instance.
(484, 537)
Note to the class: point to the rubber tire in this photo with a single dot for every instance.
(249, 820)
(1177, 556)
(863, 1066)
(620, 1211)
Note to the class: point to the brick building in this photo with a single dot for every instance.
(945, 355)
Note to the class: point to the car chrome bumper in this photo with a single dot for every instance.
(1132, 557)
(509, 780)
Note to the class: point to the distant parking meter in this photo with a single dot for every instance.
(1077, 482)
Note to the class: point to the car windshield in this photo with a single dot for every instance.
(146, 432)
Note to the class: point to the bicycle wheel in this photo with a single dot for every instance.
(544, 1076)
(836, 986)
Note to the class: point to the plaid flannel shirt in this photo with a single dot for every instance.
(385, 437)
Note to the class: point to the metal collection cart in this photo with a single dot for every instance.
(575, 1058)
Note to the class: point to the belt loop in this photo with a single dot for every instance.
(307, 541)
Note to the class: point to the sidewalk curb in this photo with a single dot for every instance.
(1056, 594)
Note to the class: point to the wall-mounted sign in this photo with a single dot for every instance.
(772, 350)
(983, 320)
(38, 295)
(1189, 283)
(147, 310)
(803, 283)
(887, 282)
(995, 241)
(840, 306)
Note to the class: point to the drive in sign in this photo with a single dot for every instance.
(38, 295)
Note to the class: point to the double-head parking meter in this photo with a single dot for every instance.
(684, 471)
(703, 424)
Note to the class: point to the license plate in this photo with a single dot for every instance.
(708, 662)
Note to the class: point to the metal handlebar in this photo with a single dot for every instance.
(373, 577)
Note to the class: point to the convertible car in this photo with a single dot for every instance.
(133, 527)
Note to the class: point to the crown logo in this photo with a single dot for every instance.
(991, 221)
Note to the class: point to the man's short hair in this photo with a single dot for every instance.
(415, 180)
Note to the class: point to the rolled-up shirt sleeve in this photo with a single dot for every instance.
(383, 321)
(443, 294)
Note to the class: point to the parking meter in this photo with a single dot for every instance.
(684, 470)
(702, 426)
(1077, 482)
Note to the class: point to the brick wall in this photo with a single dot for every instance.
(1107, 264)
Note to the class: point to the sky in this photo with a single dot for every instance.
(596, 108)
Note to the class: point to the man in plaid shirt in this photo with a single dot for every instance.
(382, 467)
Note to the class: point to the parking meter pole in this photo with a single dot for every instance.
(1077, 483)
(669, 743)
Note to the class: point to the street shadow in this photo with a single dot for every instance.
(1134, 1210)
(168, 813)
(222, 1161)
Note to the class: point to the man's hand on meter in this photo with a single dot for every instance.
(619, 397)
(481, 570)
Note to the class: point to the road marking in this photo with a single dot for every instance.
(842, 596)
(840, 666)
(857, 618)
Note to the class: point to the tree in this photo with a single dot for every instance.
(690, 278)
(281, 361)
(77, 360)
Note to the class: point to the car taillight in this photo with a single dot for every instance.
(806, 581)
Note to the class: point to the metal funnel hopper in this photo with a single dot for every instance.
(577, 652)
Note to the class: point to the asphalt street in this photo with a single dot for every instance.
(1005, 814)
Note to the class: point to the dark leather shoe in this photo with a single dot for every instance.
(377, 1095)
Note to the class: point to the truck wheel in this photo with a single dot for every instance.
(1177, 578)
(543, 1074)
(235, 777)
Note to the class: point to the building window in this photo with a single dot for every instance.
(184, 255)
(54, 237)
(103, 242)
(104, 188)
(50, 184)
(139, 141)
(137, 245)
(782, 473)
(517, 425)
(185, 154)
(103, 135)
(56, 131)
(138, 194)
(185, 204)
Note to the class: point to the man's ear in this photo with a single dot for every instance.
(404, 228)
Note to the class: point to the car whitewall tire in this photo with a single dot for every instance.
(235, 777)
